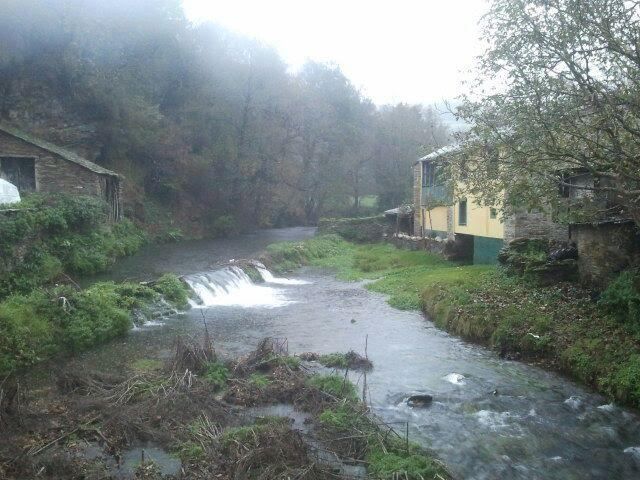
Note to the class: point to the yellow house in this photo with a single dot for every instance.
(442, 211)
(478, 232)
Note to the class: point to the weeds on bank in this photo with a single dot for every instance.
(559, 325)
(176, 409)
(51, 235)
(217, 374)
(334, 385)
(64, 319)
(350, 360)
(260, 380)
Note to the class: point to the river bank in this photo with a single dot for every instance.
(64, 319)
(198, 415)
(490, 417)
(559, 327)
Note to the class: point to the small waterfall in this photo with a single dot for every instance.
(268, 277)
(231, 286)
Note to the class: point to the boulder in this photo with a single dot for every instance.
(554, 272)
(421, 400)
(566, 252)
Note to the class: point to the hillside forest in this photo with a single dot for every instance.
(212, 131)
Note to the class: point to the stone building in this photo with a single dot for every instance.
(34, 165)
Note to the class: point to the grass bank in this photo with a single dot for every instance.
(64, 319)
(48, 236)
(560, 327)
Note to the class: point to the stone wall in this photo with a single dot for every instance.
(406, 242)
(417, 199)
(604, 250)
(534, 225)
(366, 229)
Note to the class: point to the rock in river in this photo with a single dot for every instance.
(420, 401)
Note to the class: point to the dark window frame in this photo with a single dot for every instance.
(428, 174)
(25, 184)
(462, 212)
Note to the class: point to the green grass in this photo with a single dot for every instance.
(387, 455)
(335, 385)
(55, 234)
(345, 417)
(283, 360)
(62, 319)
(286, 256)
(334, 360)
(144, 365)
(250, 435)
(558, 325)
(190, 451)
(401, 464)
(217, 375)
(260, 380)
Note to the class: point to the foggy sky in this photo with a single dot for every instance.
(416, 51)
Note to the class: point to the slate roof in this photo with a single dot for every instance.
(50, 147)
(440, 152)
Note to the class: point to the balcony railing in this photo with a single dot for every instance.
(436, 194)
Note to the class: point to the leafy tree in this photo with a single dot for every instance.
(404, 133)
(557, 90)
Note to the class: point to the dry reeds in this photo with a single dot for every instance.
(193, 356)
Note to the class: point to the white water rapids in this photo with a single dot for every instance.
(232, 287)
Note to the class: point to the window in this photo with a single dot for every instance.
(462, 212)
(434, 187)
(493, 213)
(20, 171)
(428, 174)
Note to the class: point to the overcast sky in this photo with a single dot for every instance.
(414, 51)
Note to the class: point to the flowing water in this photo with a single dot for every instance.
(490, 418)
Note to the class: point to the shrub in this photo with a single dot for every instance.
(59, 233)
(224, 226)
(216, 374)
(172, 289)
(95, 318)
(26, 334)
(37, 325)
(622, 298)
(625, 382)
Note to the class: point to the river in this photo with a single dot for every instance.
(490, 419)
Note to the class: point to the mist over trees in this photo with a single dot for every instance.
(204, 124)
